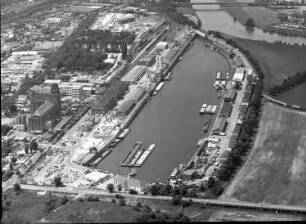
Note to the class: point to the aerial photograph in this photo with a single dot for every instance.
(138, 111)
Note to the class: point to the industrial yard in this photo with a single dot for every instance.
(275, 170)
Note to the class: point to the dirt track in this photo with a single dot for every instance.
(275, 171)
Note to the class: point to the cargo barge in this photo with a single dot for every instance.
(124, 133)
(207, 124)
(131, 154)
(98, 160)
(136, 157)
(145, 155)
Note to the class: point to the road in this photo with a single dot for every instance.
(213, 202)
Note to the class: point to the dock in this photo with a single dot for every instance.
(131, 154)
(145, 155)
(208, 109)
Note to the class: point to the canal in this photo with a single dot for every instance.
(171, 119)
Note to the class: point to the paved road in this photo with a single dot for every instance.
(215, 202)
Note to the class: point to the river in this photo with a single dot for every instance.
(213, 18)
(171, 119)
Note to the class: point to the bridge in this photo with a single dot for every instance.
(224, 4)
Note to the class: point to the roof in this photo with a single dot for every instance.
(239, 74)
(126, 106)
(44, 108)
(134, 73)
(96, 176)
(220, 123)
(226, 109)
(189, 172)
(62, 123)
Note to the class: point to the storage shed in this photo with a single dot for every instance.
(126, 107)
(220, 125)
(239, 74)
(134, 74)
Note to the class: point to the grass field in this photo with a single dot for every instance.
(276, 60)
(275, 171)
(29, 207)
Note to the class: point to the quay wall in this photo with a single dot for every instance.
(137, 108)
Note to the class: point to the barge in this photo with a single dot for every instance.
(145, 155)
(124, 133)
(160, 85)
(136, 157)
(207, 125)
(131, 154)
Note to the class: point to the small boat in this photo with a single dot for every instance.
(180, 58)
(132, 172)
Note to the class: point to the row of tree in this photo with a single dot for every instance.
(288, 83)
(251, 121)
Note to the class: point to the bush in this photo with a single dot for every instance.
(122, 202)
(58, 181)
(139, 205)
(113, 200)
(118, 196)
(81, 200)
(110, 187)
(17, 187)
(93, 198)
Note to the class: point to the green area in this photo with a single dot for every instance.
(275, 170)
(86, 49)
(278, 61)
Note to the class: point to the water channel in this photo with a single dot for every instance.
(213, 18)
(171, 119)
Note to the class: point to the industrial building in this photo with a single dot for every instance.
(126, 107)
(234, 136)
(45, 107)
(239, 74)
(226, 110)
(230, 96)
(134, 74)
(220, 126)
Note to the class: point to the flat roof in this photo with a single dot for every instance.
(134, 73)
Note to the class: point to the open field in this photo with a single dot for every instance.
(276, 60)
(28, 206)
(262, 16)
(275, 171)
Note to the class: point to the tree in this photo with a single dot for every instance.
(119, 187)
(176, 200)
(14, 160)
(58, 181)
(33, 145)
(132, 191)
(17, 187)
(26, 148)
(12, 108)
(64, 200)
(110, 187)
(5, 129)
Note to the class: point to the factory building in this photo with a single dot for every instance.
(45, 107)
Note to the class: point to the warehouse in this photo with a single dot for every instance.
(147, 60)
(230, 96)
(239, 74)
(134, 74)
(220, 126)
(226, 110)
(138, 94)
(126, 107)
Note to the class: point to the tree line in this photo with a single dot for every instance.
(251, 121)
(288, 83)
